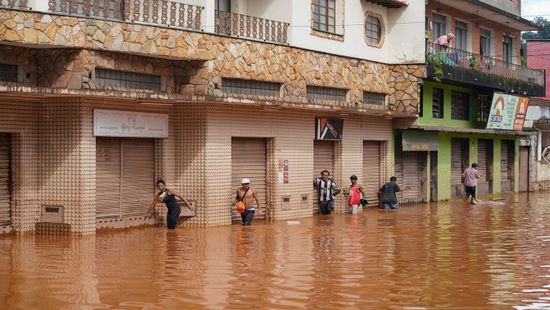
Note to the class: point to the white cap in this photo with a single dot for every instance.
(245, 181)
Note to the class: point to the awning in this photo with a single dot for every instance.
(390, 3)
(420, 141)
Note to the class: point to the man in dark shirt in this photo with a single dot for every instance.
(389, 199)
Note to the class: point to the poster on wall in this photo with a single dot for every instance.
(282, 172)
(329, 128)
(507, 112)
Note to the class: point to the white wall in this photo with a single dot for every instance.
(279, 10)
(404, 32)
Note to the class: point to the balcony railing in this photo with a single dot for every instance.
(16, 4)
(158, 12)
(234, 24)
(452, 57)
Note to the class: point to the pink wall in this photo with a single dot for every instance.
(538, 57)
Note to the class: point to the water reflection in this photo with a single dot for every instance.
(437, 256)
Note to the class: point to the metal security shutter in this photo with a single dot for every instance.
(524, 169)
(482, 162)
(505, 169)
(459, 161)
(138, 175)
(323, 159)
(107, 177)
(411, 177)
(371, 171)
(248, 160)
(5, 180)
(398, 158)
(125, 176)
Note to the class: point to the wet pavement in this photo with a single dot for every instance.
(438, 256)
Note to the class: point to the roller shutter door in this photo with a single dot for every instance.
(323, 159)
(411, 177)
(483, 162)
(125, 176)
(459, 161)
(371, 171)
(248, 160)
(524, 169)
(5, 180)
(505, 171)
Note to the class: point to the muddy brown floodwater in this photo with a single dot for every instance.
(438, 256)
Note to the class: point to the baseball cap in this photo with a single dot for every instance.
(245, 181)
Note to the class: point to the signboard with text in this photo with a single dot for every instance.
(507, 112)
(112, 123)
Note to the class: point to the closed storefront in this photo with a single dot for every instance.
(410, 170)
(5, 180)
(524, 169)
(371, 170)
(125, 176)
(323, 159)
(506, 166)
(485, 163)
(459, 162)
(248, 160)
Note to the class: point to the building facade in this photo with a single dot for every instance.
(97, 98)
(463, 80)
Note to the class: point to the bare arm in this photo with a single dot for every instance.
(362, 191)
(155, 201)
(174, 193)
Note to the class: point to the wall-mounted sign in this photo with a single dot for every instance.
(507, 112)
(329, 128)
(111, 123)
(420, 141)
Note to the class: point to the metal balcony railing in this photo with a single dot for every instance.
(156, 12)
(253, 27)
(462, 59)
(15, 4)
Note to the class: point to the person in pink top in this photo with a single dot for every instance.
(353, 194)
(445, 40)
(471, 175)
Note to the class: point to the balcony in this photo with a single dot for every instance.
(462, 67)
(251, 27)
(165, 13)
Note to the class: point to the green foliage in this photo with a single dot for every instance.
(437, 64)
(473, 63)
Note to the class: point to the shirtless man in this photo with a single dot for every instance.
(248, 195)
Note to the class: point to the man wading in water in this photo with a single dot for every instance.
(326, 190)
(247, 195)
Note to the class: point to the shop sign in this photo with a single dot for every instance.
(111, 123)
(420, 141)
(329, 128)
(507, 112)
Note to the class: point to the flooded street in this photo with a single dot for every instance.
(445, 256)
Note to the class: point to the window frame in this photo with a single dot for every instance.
(441, 109)
(464, 108)
(489, 36)
(445, 25)
(507, 49)
(381, 29)
(317, 6)
(462, 28)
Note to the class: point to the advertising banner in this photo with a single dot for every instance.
(507, 112)
(329, 128)
(111, 123)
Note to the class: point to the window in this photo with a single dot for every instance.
(251, 87)
(460, 105)
(507, 49)
(374, 98)
(461, 30)
(8, 73)
(485, 42)
(439, 26)
(223, 5)
(113, 79)
(324, 15)
(326, 93)
(373, 29)
(437, 102)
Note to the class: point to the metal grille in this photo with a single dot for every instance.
(326, 93)
(251, 87)
(113, 79)
(437, 103)
(460, 105)
(373, 27)
(8, 73)
(374, 98)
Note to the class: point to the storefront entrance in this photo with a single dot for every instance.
(372, 180)
(248, 160)
(524, 169)
(485, 166)
(323, 159)
(507, 159)
(5, 179)
(460, 159)
(125, 176)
